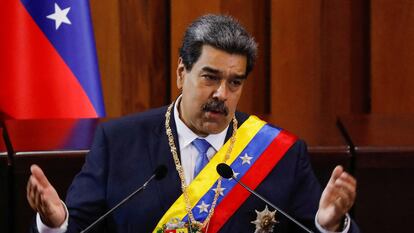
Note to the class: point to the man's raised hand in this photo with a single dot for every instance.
(44, 199)
(337, 199)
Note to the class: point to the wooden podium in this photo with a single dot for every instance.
(57, 146)
(384, 165)
(4, 184)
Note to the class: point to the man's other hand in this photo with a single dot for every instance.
(336, 200)
(44, 199)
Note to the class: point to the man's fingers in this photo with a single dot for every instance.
(340, 189)
(32, 191)
(44, 199)
(341, 193)
(36, 197)
(344, 202)
(36, 186)
(37, 192)
(39, 175)
(348, 178)
(342, 179)
(342, 205)
(337, 198)
(346, 186)
(330, 194)
(29, 193)
(336, 174)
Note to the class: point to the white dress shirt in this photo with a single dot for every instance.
(188, 159)
(188, 151)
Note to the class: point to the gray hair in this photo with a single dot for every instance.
(220, 31)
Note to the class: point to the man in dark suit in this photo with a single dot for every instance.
(216, 56)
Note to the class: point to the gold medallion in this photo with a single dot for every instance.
(265, 221)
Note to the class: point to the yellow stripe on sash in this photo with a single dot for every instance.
(208, 176)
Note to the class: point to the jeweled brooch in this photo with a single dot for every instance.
(265, 221)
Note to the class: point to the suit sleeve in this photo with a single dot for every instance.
(306, 192)
(86, 196)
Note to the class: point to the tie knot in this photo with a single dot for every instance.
(201, 145)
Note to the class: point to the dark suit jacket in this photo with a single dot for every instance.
(125, 153)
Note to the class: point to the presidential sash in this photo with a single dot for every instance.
(257, 149)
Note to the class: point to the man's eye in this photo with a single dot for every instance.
(210, 77)
(236, 82)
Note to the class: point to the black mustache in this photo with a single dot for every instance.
(215, 105)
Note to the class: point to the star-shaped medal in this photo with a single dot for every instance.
(265, 221)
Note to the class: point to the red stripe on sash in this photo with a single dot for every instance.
(252, 178)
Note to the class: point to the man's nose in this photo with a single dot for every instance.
(222, 91)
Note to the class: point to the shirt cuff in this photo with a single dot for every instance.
(347, 225)
(42, 228)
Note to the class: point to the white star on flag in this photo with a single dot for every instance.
(220, 190)
(60, 16)
(246, 159)
(235, 175)
(203, 207)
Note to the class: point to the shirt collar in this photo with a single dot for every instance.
(186, 135)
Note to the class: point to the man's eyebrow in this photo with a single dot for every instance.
(210, 70)
(216, 71)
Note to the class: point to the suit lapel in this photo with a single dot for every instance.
(169, 188)
(241, 118)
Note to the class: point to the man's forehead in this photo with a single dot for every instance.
(216, 60)
(206, 48)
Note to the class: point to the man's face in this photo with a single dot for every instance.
(211, 90)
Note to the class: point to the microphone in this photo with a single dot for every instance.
(226, 172)
(159, 173)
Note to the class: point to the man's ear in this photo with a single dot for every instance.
(180, 74)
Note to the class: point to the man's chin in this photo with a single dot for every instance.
(215, 124)
(213, 130)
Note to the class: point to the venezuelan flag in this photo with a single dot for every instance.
(48, 64)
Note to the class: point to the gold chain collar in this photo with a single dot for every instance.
(180, 171)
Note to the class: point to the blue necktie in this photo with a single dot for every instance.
(202, 146)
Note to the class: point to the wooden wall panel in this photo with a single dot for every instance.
(296, 57)
(312, 55)
(182, 14)
(107, 36)
(360, 46)
(392, 55)
(345, 56)
(316, 56)
(133, 48)
(143, 54)
(254, 16)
